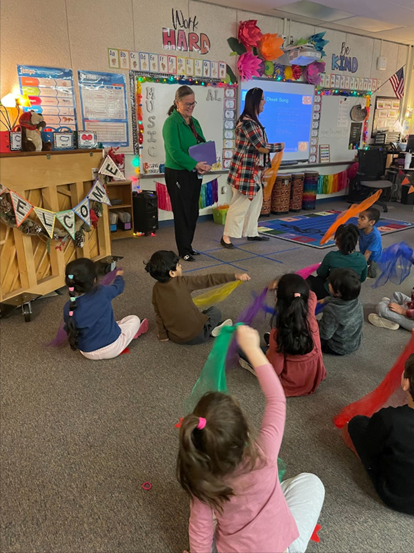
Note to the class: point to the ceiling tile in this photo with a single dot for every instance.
(314, 10)
(366, 24)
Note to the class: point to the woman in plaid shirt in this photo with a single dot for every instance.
(246, 169)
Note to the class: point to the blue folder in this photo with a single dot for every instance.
(206, 151)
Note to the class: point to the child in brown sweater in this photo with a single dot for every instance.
(178, 319)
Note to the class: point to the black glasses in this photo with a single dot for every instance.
(190, 104)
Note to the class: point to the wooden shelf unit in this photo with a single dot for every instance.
(121, 190)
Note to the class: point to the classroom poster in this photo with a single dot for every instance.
(50, 91)
(104, 106)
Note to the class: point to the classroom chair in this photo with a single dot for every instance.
(370, 177)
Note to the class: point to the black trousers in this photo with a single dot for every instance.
(317, 285)
(184, 190)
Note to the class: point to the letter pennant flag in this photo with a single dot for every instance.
(67, 219)
(47, 218)
(98, 194)
(110, 169)
(82, 211)
(22, 208)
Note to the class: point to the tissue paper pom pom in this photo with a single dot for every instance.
(297, 72)
(269, 68)
(270, 46)
(249, 33)
(279, 70)
(288, 73)
(312, 72)
(261, 68)
(248, 66)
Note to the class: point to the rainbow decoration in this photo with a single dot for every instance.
(329, 184)
(208, 195)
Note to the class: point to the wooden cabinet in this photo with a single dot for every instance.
(121, 190)
(55, 181)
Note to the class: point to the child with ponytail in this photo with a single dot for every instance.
(233, 478)
(89, 318)
(294, 342)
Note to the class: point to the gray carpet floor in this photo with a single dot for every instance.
(79, 437)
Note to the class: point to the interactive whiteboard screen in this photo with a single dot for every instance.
(287, 115)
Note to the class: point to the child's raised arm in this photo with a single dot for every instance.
(117, 287)
(273, 422)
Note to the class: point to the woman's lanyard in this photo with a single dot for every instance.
(195, 133)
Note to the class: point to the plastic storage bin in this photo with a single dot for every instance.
(220, 214)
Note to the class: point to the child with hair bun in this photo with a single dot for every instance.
(233, 478)
(89, 318)
(294, 344)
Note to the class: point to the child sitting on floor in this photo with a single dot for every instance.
(294, 344)
(396, 313)
(178, 319)
(343, 316)
(370, 243)
(89, 318)
(346, 239)
(237, 501)
(385, 445)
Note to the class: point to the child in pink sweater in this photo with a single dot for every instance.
(237, 501)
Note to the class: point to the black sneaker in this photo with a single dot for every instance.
(258, 238)
(188, 258)
(266, 337)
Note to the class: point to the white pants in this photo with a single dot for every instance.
(384, 311)
(129, 327)
(243, 215)
(304, 495)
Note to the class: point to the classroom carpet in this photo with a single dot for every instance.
(310, 228)
(79, 438)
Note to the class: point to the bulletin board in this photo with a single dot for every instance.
(216, 110)
(387, 113)
(335, 125)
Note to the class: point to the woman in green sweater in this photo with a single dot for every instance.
(183, 175)
(346, 239)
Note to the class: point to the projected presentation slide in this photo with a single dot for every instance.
(287, 115)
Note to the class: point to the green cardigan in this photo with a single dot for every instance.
(178, 137)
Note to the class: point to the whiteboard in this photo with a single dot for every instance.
(335, 125)
(156, 100)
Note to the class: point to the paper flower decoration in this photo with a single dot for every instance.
(248, 66)
(269, 68)
(312, 72)
(288, 73)
(269, 46)
(318, 42)
(249, 33)
(296, 72)
(261, 69)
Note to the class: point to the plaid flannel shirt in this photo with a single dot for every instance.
(248, 163)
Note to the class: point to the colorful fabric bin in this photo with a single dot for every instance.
(310, 189)
(220, 214)
(296, 192)
(281, 194)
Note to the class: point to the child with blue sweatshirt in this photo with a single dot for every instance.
(370, 243)
(89, 318)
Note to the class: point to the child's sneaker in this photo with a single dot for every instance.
(143, 328)
(266, 337)
(216, 331)
(246, 365)
(376, 320)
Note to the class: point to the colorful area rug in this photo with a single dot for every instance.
(309, 229)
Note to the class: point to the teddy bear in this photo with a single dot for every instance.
(31, 124)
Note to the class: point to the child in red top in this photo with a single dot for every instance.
(294, 344)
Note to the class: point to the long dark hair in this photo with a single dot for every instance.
(346, 237)
(206, 456)
(291, 311)
(251, 105)
(80, 278)
(179, 95)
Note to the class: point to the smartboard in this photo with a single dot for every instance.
(156, 100)
(287, 114)
(335, 125)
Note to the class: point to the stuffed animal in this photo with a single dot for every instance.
(31, 124)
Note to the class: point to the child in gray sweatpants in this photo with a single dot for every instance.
(395, 313)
